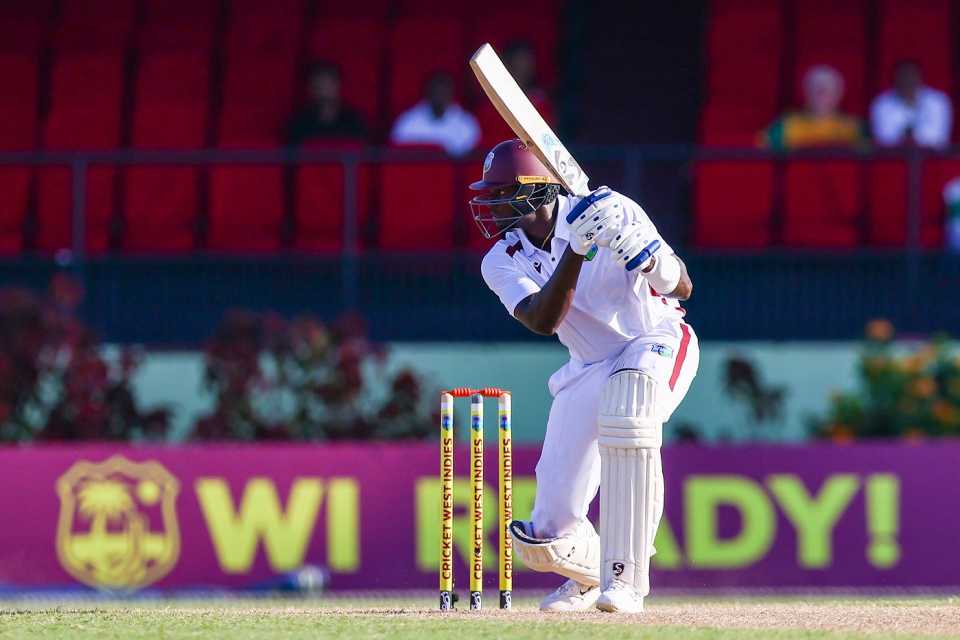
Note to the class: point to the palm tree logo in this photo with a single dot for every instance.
(105, 537)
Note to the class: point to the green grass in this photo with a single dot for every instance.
(414, 619)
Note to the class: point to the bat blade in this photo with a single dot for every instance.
(515, 108)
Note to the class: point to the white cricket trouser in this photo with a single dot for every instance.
(568, 472)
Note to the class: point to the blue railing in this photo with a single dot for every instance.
(778, 294)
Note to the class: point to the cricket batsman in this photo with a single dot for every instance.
(595, 272)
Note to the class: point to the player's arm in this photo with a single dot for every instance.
(684, 288)
(543, 311)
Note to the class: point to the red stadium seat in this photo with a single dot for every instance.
(320, 206)
(25, 26)
(257, 101)
(843, 46)
(918, 30)
(420, 47)
(246, 208)
(889, 202)
(95, 26)
(55, 209)
(15, 187)
(733, 203)
(356, 45)
(412, 217)
(260, 33)
(160, 206)
(379, 10)
(742, 87)
(179, 25)
(86, 99)
(18, 101)
(823, 205)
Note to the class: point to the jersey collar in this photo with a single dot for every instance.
(527, 247)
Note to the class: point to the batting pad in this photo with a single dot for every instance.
(630, 499)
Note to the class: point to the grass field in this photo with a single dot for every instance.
(415, 619)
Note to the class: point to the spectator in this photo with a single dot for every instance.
(910, 112)
(438, 120)
(820, 124)
(325, 116)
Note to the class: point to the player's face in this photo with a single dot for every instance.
(494, 212)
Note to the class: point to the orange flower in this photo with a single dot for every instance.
(924, 387)
(841, 433)
(879, 330)
(913, 435)
(944, 412)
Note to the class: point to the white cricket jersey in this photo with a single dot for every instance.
(612, 306)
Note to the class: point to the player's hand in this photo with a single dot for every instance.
(634, 246)
(598, 225)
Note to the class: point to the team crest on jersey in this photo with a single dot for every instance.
(662, 350)
(488, 162)
(118, 523)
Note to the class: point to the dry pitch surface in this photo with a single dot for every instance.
(667, 619)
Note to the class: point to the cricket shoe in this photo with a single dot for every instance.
(620, 597)
(571, 596)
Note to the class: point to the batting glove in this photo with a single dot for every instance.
(634, 246)
(596, 224)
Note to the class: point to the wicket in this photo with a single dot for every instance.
(505, 498)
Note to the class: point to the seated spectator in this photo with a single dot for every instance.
(910, 112)
(325, 116)
(437, 120)
(820, 124)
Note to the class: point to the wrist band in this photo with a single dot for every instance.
(665, 274)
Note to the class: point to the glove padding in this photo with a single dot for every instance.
(598, 224)
(634, 246)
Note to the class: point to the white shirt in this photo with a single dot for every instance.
(930, 117)
(456, 130)
(612, 307)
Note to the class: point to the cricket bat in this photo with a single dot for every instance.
(515, 108)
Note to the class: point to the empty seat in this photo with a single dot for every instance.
(420, 47)
(356, 45)
(733, 202)
(742, 87)
(246, 208)
(918, 30)
(320, 206)
(375, 9)
(843, 46)
(85, 102)
(412, 216)
(171, 25)
(15, 187)
(55, 208)
(160, 207)
(889, 202)
(95, 26)
(823, 204)
(25, 26)
(257, 101)
(259, 33)
(18, 101)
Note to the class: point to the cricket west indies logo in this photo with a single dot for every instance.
(118, 523)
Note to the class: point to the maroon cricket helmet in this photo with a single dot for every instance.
(511, 164)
